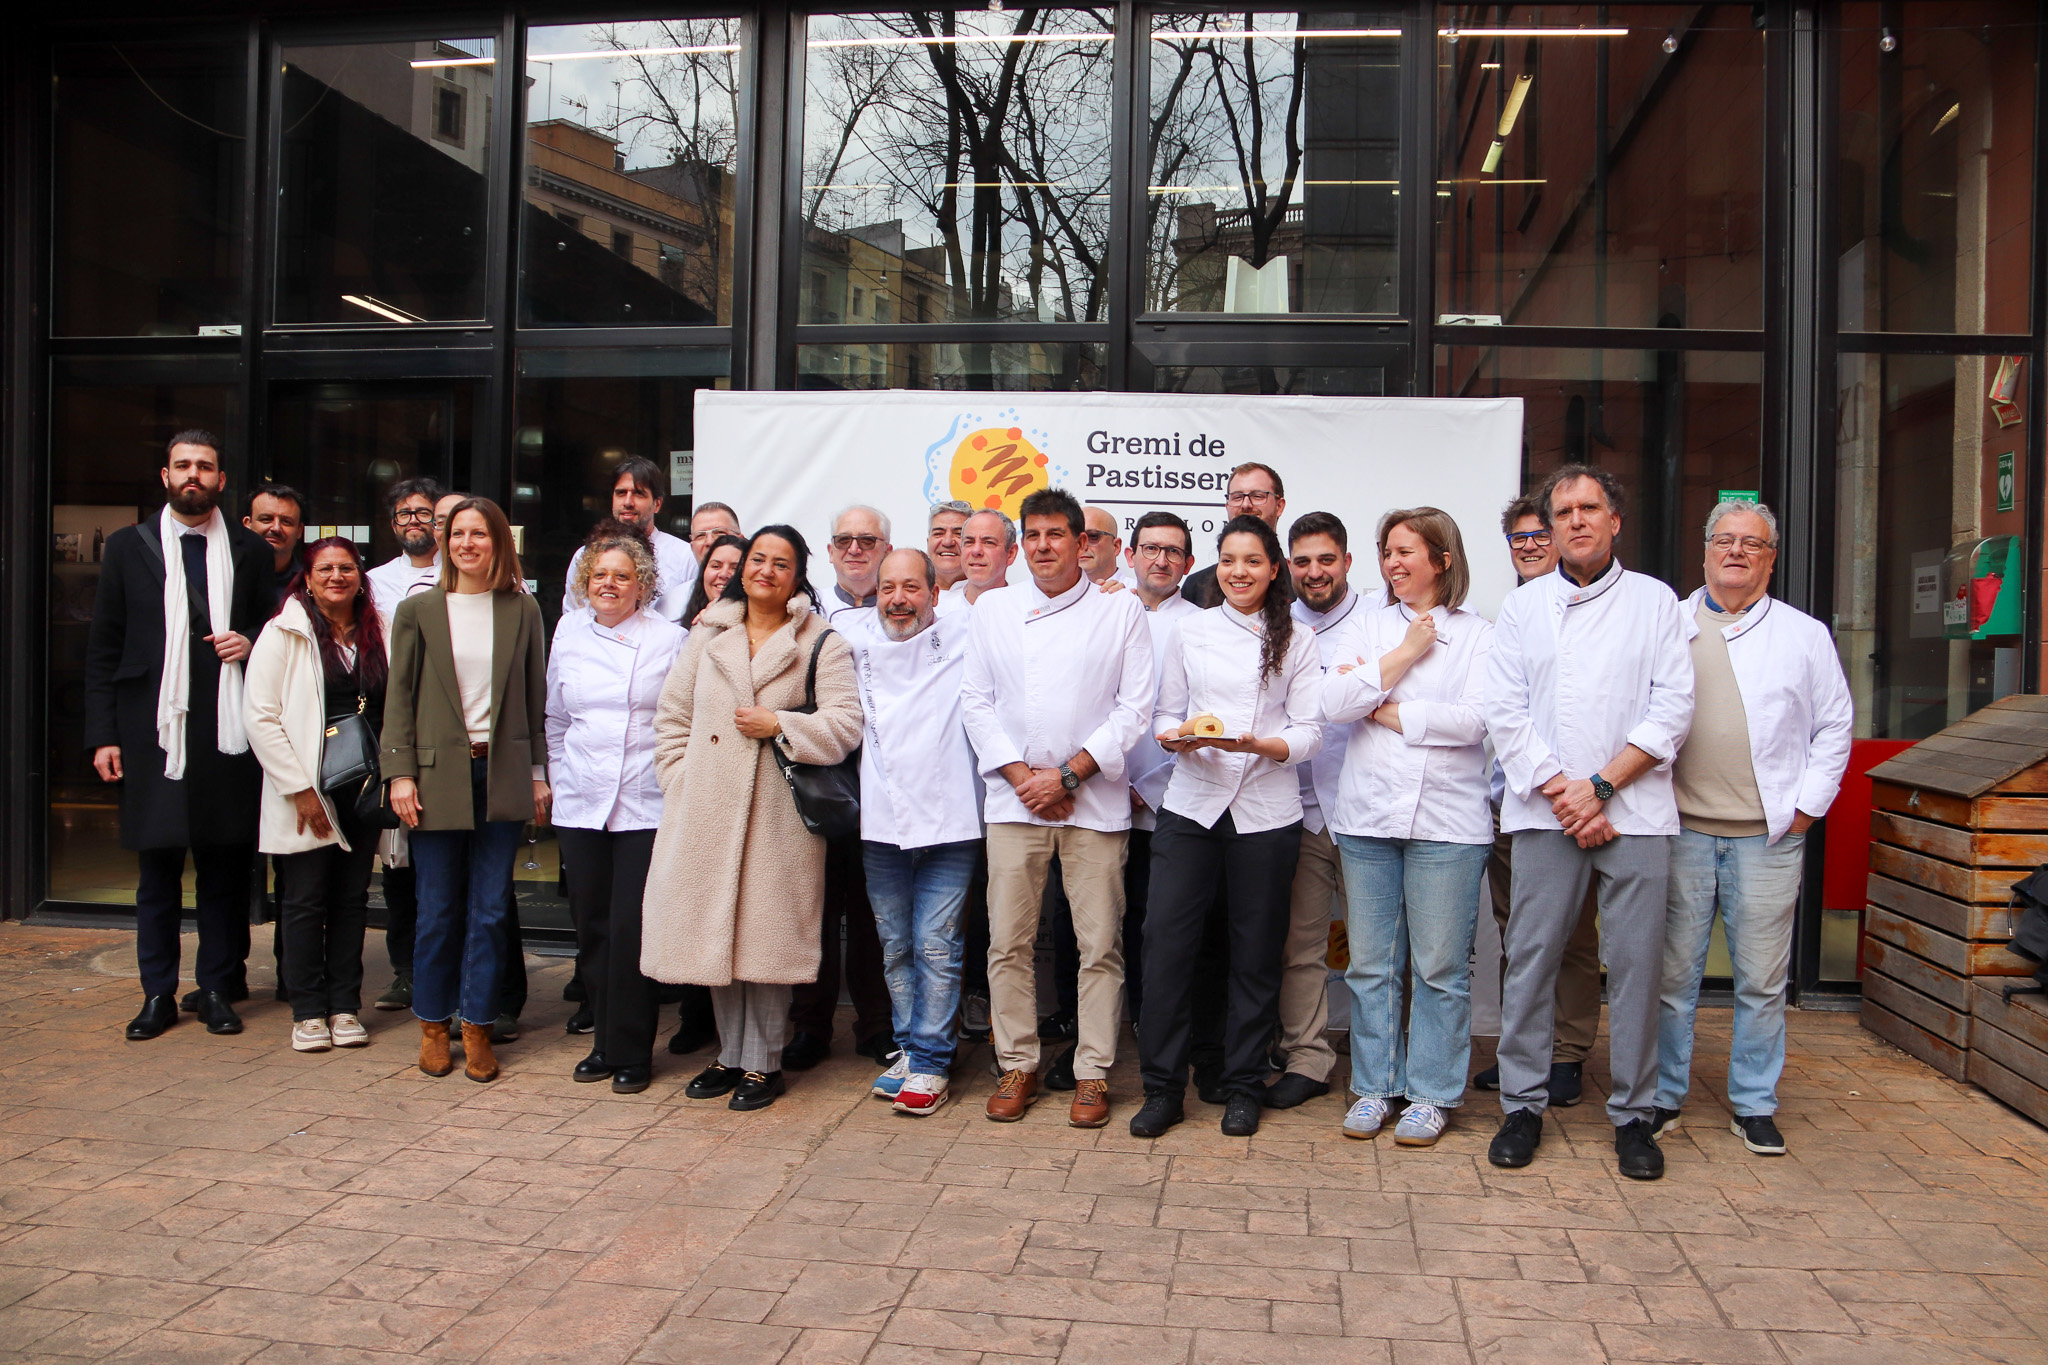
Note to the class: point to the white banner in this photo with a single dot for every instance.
(798, 458)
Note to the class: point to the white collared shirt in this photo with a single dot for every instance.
(1212, 667)
(918, 786)
(1796, 702)
(603, 684)
(1049, 677)
(1428, 779)
(395, 580)
(1337, 642)
(1151, 767)
(673, 559)
(1575, 674)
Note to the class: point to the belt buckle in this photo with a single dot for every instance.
(479, 748)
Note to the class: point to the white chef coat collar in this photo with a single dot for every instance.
(1325, 620)
(1446, 619)
(1572, 594)
(626, 632)
(1255, 624)
(1040, 606)
(1749, 621)
(849, 599)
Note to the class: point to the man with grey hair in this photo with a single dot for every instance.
(860, 540)
(942, 540)
(1769, 744)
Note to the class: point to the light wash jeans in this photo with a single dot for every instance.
(918, 894)
(1412, 903)
(1755, 885)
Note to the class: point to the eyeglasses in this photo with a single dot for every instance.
(418, 515)
(1750, 544)
(1158, 552)
(1518, 539)
(848, 542)
(1097, 537)
(1258, 499)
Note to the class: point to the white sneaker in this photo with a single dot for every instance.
(310, 1035)
(348, 1031)
(922, 1095)
(1366, 1118)
(1420, 1126)
(890, 1082)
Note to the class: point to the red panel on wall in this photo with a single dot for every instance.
(1847, 869)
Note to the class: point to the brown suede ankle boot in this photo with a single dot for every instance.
(434, 1059)
(478, 1063)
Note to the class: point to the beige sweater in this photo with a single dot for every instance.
(1714, 777)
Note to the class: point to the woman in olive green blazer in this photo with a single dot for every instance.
(465, 751)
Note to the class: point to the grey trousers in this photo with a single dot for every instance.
(1550, 880)
(753, 1025)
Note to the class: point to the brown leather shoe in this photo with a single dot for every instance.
(1014, 1094)
(478, 1062)
(434, 1058)
(1091, 1104)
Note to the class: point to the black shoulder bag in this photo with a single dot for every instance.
(348, 766)
(827, 795)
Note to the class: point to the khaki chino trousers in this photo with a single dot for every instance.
(1092, 870)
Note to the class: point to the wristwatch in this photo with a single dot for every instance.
(1602, 788)
(1070, 782)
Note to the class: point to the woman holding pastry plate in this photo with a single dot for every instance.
(1238, 706)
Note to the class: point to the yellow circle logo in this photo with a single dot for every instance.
(996, 468)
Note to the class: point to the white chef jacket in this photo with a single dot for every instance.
(1337, 642)
(1050, 676)
(395, 580)
(918, 785)
(951, 601)
(843, 612)
(1796, 702)
(1212, 666)
(1151, 767)
(677, 565)
(1576, 673)
(1427, 781)
(603, 684)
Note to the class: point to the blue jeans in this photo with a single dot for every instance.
(460, 950)
(918, 894)
(1755, 885)
(1411, 903)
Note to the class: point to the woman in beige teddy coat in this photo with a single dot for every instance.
(736, 892)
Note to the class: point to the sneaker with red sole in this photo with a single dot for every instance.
(922, 1095)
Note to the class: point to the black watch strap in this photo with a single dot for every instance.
(1602, 788)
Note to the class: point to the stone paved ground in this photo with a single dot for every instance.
(224, 1200)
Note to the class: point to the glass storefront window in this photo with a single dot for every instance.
(999, 366)
(1595, 181)
(1275, 163)
(383, 170)
(1678, 427)
(1930, 527)
(632, 144)
(106, 448)
(1329, 381)
(956, 166)
(149, 147)
(1935, 167)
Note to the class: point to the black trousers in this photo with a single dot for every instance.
(222, 912)
(1257, 873)
(607, 879)
(1137, 890)
(846, 902)
(324, 904)
(974, 928)
(401, 918)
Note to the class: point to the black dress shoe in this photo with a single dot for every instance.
(217, 1014)
(880, 1049)
(591, 1068)
(756, 1091)
(159, 1012)
(1567, 1083)
(1209, 1087)
(689, 1039)
(1057, 1027)
(574, 991)
(631, 1080)
(805, 1051)
(234, 995)
(1292, 1089)
(1641, 1158)
(1060, 1075)
(1488, 1079)
(1157, 1114)
(584, 1020)
(1241, 1116)
(713, 1081)
(1521, 1133)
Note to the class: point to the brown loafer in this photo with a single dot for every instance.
(1091, 1104)
(478, 1062)
(1014, 1094)
(434, 1059)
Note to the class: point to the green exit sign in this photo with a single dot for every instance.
(2005, 482)
(1740, 495)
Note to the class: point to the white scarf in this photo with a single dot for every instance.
(173, 699)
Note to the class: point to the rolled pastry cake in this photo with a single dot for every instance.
(1204, 726)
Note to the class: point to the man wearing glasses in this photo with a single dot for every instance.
(1101, 547)
(1577, 1007)
(1254, 490)
(417, 565)
(860, 541)
(710, 521)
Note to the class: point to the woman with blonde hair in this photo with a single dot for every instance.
(465, 754)
(736, 894)
(1413, 827)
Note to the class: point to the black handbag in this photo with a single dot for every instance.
(827, 795)
(348, 770)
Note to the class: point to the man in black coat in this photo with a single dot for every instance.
(1254, 490)
(211, 809)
